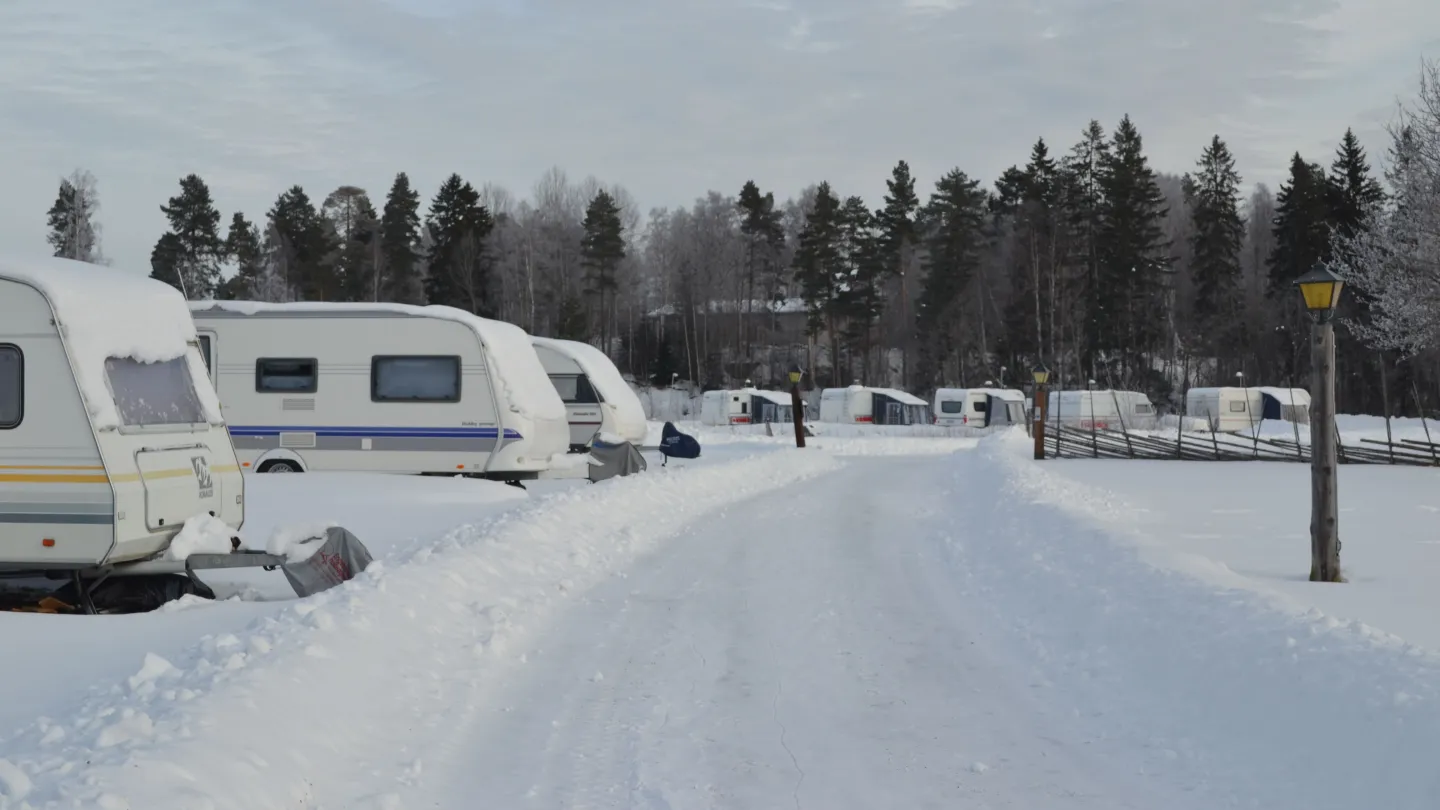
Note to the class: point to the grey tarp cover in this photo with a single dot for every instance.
(338, 559)
(615, 459)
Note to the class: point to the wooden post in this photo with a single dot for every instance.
(1324, 501)
(1040, 423)
(798, 410)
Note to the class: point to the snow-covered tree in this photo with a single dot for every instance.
(74, 233)
(1395, 261)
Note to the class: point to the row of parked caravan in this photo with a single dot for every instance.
(1220, 409)
(125, 412)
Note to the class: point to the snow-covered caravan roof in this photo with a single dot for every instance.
(105, 312)
(899, 396)
(774, 396)
(602, 373)
(526, 386)
(1006, 394)
(1286, 396)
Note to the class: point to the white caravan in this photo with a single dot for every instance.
(979, 407)
(597, 399)
(745, 406)
(111, 437)
(380, 388)
(1105, 410)
(1226, 410)
(878, 406)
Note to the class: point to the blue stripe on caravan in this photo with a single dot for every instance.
(364, 432)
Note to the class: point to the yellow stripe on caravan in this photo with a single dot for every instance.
(53, 479)
(46, 467)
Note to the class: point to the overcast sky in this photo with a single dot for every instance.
(666, 97)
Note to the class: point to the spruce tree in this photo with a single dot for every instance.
(165, 260)
(1026, 201)
(196, 250)
(819, 265)
(763, 227)
(860, 297)
(400, 248)
(74, 234)
(246, 248)
(1134, 254)
(1302, 226)
(896, 253)
(1213, 196)
(1355, 194)
(459, 257)
(1083, 176)
(602, 249)
(952, 230)
(301, 248)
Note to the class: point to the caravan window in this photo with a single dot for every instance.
(1237, 406)
(205, 350)
(150, 394)
(981, 406)
(575, 389)
(952, 406)
(274, 375)
(12, 387)
(415, 378)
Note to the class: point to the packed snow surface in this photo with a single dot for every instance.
(620, 399)
(106, 312)
(769, 627)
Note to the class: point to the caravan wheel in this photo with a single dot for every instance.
(280, 466)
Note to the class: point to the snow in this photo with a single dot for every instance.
(106, 312)
(201, 534)
(873, 621)
(299, 542)
(526, 387)
(626, 411)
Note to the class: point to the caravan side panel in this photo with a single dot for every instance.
(57, 507)
(330, 390)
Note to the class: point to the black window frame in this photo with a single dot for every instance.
(960, 407)
(582, 384)
(20, 355)
(259, 375)
(376, 360)
(206, 347)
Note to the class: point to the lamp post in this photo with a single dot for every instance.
(796, 409)
(1321, 290)
(1041, 376)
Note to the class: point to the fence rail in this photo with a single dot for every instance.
(1064, 441)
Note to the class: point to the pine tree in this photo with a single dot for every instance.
(353, 230)
(763, 228)
(602, 248)
(400, 248)
(74, 234)
(300, 248)
(1134, 254)
(1027, 200)
(165, 260)
(572, 323)
(819, 268)
(1213, 196)
(952, 229)
(196, 251)
(1302, 226)
(245, 247)
(459, 260)
(860, 297)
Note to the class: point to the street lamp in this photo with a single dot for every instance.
(1041, 376)
(1321, 290)
(796, 409)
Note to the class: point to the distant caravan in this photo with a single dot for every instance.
(862, 405)
(380, 388)
(597, 399)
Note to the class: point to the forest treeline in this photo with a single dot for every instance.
(1083, 258)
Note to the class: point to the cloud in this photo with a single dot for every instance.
(667, 97)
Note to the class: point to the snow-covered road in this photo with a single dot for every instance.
(806, 648)
(769, 628)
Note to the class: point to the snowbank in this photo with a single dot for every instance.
(1177, 655)
(315, 706)
(106, 312)
(620, 400)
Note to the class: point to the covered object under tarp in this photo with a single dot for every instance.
(618, 458)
